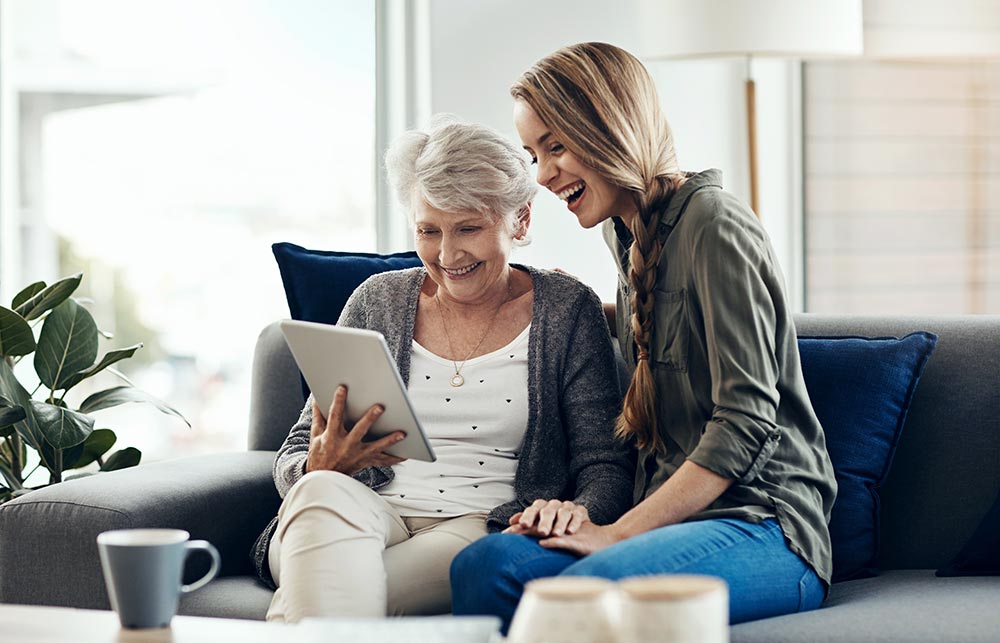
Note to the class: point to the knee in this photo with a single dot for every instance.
(588, 567)
(330, 492)
(321, 486)
(472, 560)
(600, 564)
(489, 558)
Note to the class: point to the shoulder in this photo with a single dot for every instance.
(716, 217)
(382, 292)
(393, 280)
(562, 302)
(559, 289)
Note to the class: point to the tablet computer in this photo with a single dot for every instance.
(329, 356)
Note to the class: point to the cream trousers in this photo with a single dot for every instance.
(341, 550)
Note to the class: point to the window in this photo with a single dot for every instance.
(902, 187)
(162, 147)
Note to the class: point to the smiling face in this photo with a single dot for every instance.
(464, 252)
(588, 195)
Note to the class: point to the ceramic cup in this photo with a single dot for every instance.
(674, 609)
(566, 609)
(142, 570)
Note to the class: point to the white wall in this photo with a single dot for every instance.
(479, 48)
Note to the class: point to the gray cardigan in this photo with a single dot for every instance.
(569, 450)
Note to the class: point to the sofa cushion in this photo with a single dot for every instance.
(897, 606)
(980, 556)
(318, 282)
(861, 389)
(229, 597)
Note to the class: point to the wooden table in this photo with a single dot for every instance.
(36, 624)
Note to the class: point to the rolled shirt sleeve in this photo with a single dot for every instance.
(734, 280)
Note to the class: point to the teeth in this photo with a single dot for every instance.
(571, 190)
(460, 271)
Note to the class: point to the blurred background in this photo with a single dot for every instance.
(161, 146)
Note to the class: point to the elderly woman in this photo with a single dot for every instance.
(511, 371)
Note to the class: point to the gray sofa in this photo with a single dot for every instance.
(945, 475)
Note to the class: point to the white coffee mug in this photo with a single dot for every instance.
(143, 569)
(674, 608)
(566, 609)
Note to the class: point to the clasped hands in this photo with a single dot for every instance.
(334, 447)
(562, 524)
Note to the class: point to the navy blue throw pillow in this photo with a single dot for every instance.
(319, 282)
(981, 554)
(861, 389)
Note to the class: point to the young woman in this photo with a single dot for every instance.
(733, 478)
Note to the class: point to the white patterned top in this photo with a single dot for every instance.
(476, 431)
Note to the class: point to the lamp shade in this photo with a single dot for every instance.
(796, 28)
(932, 29)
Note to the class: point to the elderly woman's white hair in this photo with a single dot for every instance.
(456, 166)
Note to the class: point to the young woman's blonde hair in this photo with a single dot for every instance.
(601, 104)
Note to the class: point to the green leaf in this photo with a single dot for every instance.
(28, 427)
(63, 428)
(127, 457)
(123, 394)
(109, 358)
(10, 413)
(7, 456)
(8, 476)
(97, 444)
(49, 298)
(69, 456)
(16, 337)
(27, 293)
(66, 345)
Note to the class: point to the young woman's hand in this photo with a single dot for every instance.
(333, 448)
(548, 517)
(588, 539)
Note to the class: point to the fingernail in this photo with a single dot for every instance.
(379, 410)
(399, 438)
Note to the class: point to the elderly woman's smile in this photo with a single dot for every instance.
(461, 272)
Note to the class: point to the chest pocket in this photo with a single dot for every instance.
(671, 333)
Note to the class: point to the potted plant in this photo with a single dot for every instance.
(65, 354)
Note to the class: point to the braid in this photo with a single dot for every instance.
(638, 416)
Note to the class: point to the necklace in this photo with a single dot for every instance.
(457, 379)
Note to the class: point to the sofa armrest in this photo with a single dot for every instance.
(48, 538)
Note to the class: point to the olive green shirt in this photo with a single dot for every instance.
(724, 355)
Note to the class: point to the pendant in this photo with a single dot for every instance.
(457, 380)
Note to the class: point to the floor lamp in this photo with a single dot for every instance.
(673, 29)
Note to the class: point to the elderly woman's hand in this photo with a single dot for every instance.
(548, 518)
(333, 448)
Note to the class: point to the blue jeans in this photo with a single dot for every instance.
(765, 578)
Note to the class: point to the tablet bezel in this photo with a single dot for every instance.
(329, 355)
